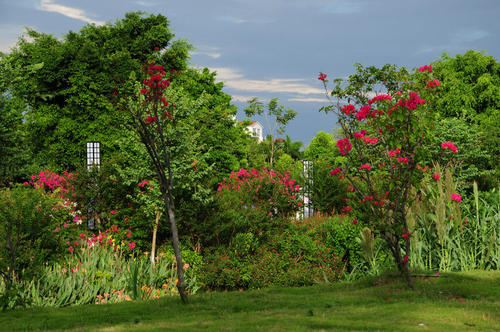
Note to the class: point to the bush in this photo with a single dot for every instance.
(34, 227)
(295, 256)
(254, 202)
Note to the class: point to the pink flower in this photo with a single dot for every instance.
(344, 146)
(365, 166)
(129, 233)
(335, 171)
(449, 145)
(113, 212)
(346, 209)
(433, 84)
(354, 222)
(82, 236)
(322, 77)
(405, 259)
(57, 229)
(348, 109)
(456, 197)
(403, 160)
(71, 249)
(131, 245)
(436, 177)
(379, 98)
(426, 67)
(406, 235)
(363, 112)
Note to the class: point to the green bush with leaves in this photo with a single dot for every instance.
(297, 255)
(34, 227)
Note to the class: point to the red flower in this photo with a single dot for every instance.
(406, 235)
(449, 145)
(354, 222)
(113, 212)
(71, 249)
(322, 77)
(344, 146)
(405, 259)
(346, 209)
(426, 67)
(365, 166)
(129, 233)
(131, 245)
(335, 171)
(433, 84)
(349, 109)
(436, 177)
(378, 98)
(456, 197)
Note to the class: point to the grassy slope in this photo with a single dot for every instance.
(453, 302)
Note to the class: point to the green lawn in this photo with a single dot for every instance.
(451, 302)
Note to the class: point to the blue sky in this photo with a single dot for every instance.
(276, 48)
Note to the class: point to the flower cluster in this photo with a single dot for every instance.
(322, 77)
(344, 146)
(426, 67)
(449, 145)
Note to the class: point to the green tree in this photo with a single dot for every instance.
(276, 118)
(66, 83)
(470, 91)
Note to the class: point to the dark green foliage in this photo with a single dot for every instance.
(328, 191)
(470, 91)
(66, 84)
(295, 256)
(31, 222)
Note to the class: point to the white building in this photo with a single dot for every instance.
(256, 130)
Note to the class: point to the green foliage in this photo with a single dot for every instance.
(470, 91)
(102, 275)
(328, 192)
(30, 222)
(66, 84)
(295, 256)
(250, 202)
(448, 237)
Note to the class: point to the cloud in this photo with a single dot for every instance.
(9, 34)
(78, 14)
(240, 98)
(309, 100)
(235, 80)
(210, 51)
(469, 35)
(240, 20)
(457, 41)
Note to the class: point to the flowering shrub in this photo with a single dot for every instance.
(254, 202)
(383, 145)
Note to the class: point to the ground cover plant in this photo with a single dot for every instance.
(454, 301)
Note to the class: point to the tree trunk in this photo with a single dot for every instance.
(155, 230)
(177, 250)
(404, 267)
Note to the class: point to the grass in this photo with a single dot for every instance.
(451, 302)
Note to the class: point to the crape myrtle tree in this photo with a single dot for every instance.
(154, 119)
(383, 145)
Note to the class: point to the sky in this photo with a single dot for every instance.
(277, 48)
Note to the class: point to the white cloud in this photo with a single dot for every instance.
(9, 34)
(240, 98)
(210, 51)
(235, 80)
(78, 14)
(310, 100)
